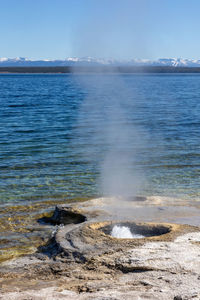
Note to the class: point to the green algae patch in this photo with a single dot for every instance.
(21, 235)
(10, 253)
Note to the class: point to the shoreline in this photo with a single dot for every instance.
(81, 262)
(99, 69)
(168, 209)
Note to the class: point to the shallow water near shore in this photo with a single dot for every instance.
(43, 157)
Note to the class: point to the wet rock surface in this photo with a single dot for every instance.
(82, 260)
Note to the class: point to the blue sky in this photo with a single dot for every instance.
(123, 29)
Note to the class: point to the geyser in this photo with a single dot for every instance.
(123, 232)
(131, 230)
(109, 136)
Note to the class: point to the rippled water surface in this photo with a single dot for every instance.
(50, 153)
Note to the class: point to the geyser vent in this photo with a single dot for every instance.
(131, 230)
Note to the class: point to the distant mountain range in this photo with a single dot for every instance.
(89, 61)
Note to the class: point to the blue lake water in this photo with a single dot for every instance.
(53, 136)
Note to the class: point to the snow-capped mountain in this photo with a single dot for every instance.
(89, 61)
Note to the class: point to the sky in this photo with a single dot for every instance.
(119, 29)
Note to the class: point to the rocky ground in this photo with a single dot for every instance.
(82, 261)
